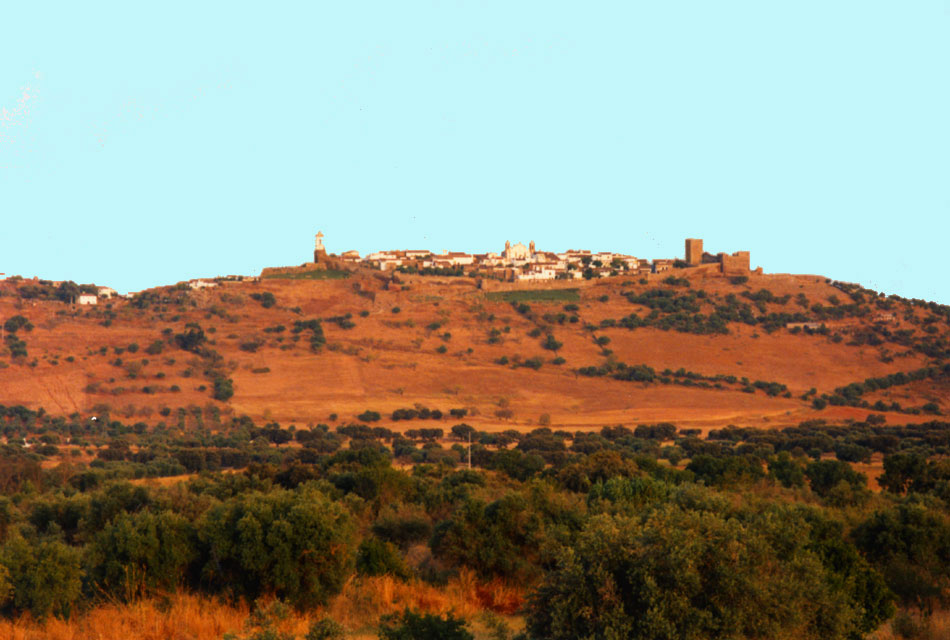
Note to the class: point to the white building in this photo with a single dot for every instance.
(388, 263)
(380, 255)
(87, 298)
(517, 252)
(538, 272)
(574, 256)
(107, 292)
(457, 258)
(202, 284)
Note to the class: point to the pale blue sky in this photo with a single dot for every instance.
(143, 146)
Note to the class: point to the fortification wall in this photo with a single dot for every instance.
(326, 262)
(706, 269)
(738, 264)
(498, 285)
(307, 266)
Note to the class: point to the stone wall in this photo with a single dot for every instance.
(706, 269)
(738, 264)
(307, 266)
(488, 284)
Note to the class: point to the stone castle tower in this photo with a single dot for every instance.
(694, 251)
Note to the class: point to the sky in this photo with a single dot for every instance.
(142, 146)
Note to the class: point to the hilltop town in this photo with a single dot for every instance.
(399, 396)
(515, 263)
(520, 263)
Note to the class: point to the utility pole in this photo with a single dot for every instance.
(469, 450)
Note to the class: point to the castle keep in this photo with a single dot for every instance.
(737, 264)
(694, 251)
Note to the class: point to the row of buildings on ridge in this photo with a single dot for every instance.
(519, 263)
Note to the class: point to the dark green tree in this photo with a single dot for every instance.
(17, 322)
(377, 557)
(68, 291)
(46, 576)
(910, 544)
(672, 573)
(137, 554)
(423, 626)
(192, 338)
(837, 482)
(788, 471)
(223, 388)
(500, 539)
(904, 472)
(297, 545)
(551, 343)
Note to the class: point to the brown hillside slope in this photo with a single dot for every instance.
(396, 356)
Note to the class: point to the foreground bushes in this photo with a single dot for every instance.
(415, 626)
(296, 545)
(673, 571)
(613, 541)
(140, 553)
(42, 578)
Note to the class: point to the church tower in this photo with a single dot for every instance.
(531, 247)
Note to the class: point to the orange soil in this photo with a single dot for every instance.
(385, 363)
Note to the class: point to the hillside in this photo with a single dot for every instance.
(381, 452)
(440, 343)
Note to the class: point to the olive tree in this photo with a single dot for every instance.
(296, 545)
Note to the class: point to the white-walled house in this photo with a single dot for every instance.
(458, 258)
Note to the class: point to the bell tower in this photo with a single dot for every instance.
(319, 251)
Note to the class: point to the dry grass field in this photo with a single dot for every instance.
(358, 608)
(429, 341)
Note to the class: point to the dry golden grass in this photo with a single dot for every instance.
(181, 617)
(366, 599)
(185, 616)
(915, 625)
(388, 361)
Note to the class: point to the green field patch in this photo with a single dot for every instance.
(536, 295)
(316, 274)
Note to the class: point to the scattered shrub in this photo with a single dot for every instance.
(223, 388)
(425, 626)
